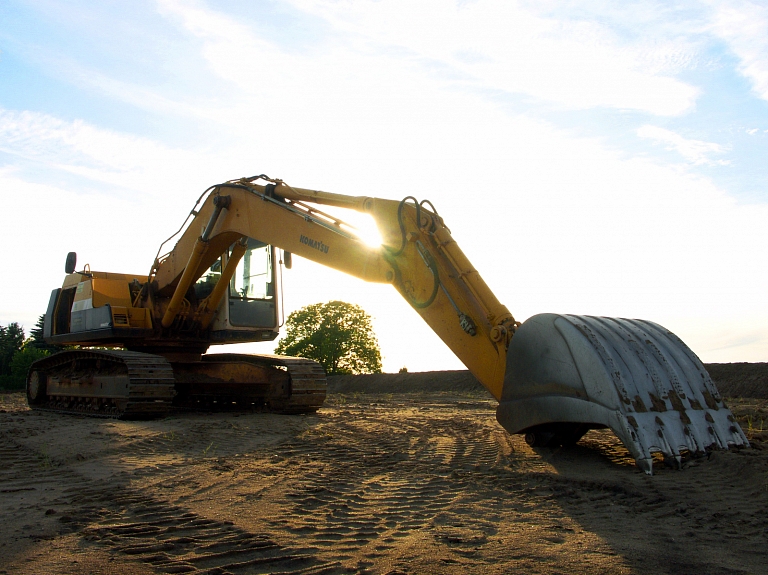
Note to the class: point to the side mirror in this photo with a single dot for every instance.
(69, 267)
(287, 260)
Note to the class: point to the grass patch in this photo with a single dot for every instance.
(752, 416)
(45, 458)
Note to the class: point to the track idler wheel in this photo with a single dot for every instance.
(36, 387)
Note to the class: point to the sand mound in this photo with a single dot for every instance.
(460, 381)
(732, 380)
(740, 379)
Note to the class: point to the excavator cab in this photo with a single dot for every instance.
(250, 302)
(101, 308)
(251, 289)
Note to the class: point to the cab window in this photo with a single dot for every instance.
(253, 276)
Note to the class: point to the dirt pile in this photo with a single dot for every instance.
(748, 380)
(458, 381)
(740, 379)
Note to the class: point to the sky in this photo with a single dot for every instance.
(595, 158)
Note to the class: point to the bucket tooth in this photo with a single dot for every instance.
(633, 376)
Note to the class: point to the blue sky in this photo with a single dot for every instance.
(590, 157)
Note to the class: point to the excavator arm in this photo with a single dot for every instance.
(418, 256)
(555, 376)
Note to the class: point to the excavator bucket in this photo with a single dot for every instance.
(567, 374)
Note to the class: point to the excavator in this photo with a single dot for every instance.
(137, 344)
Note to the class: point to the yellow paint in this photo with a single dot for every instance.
(415, 254)
(113, 292)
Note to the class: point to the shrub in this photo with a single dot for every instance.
(20, 363)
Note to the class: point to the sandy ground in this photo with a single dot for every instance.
(374, 483)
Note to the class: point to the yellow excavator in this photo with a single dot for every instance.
(140, 341)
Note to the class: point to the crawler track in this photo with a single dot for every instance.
(274, 383)
(133, 385)
(307, 386)
(102, 383)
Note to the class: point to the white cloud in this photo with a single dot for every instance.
(110, 161)
(743, 24)
(43, 222)
(552, 222)
(696, 152)
(36, 136)
(501, 45)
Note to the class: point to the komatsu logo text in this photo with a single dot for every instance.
(320, 246)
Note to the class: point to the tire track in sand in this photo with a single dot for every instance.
(374, 482)
(173, 539)
(132, 522)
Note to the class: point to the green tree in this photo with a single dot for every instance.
(336, 334)
(14, 362)
(11, 341)
(37, 340)
(20, 366)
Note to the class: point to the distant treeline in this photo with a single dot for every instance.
(17, 352)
